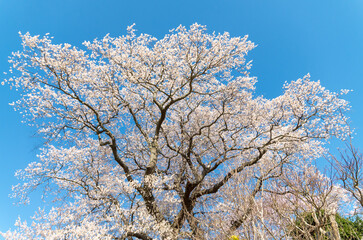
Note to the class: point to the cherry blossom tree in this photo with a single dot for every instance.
(154, 139)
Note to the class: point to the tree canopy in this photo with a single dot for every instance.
(164, 139)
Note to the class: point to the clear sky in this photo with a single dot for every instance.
(294, 37)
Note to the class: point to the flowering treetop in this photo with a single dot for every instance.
(144, 135)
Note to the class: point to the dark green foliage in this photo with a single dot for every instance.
(350, 228)
(306, 227)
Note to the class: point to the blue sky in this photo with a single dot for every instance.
(294, 37)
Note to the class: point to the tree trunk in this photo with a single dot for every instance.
(334, 225)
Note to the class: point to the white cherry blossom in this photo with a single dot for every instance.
(149, 139)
